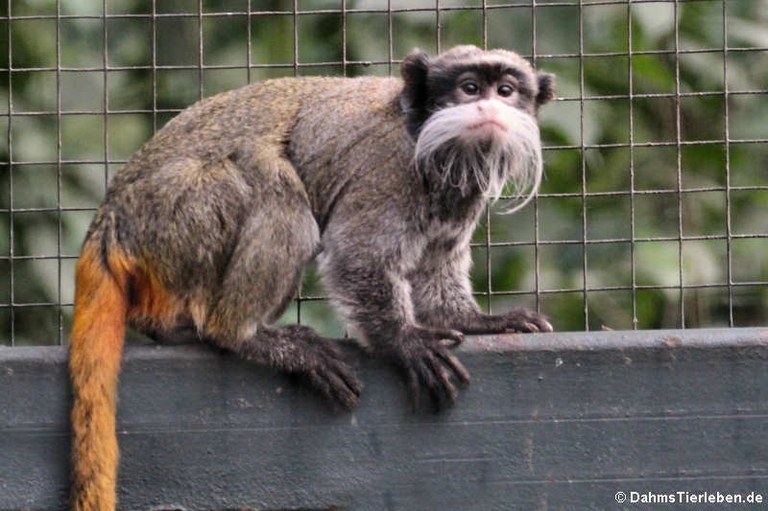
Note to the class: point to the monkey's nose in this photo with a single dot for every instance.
(485, 107)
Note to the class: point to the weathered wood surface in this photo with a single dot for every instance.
(549, 422)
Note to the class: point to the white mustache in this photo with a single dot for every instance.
(449, 147)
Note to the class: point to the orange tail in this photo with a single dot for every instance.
(96, 345)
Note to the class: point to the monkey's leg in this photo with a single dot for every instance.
(375, 296)
(442, 296)
(274, 245)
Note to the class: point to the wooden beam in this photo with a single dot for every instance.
(556, 421)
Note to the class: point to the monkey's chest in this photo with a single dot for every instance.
(449, 208)
(444, 236)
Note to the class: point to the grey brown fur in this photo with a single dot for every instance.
(235, 196)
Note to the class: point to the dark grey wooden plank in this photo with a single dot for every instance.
(559, 421)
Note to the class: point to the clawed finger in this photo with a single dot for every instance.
(442, 389)
(413, 388)
(334, 378)
(346, 376)
(436, 371)
(456, 366)
(343, 389)
(545, 326)
(448, 338)
(524, 327)
(527, 322)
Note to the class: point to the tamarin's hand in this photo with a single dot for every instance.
(424, 356)
(517, 320)
(525, 321)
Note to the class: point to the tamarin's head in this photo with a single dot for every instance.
(473, 115)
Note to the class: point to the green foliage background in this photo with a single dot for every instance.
(596, 240)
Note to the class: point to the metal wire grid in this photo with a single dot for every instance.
(296, 11)
(678, 144)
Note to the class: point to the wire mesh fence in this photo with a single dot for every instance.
(653, 212)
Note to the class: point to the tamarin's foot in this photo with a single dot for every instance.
(424, 356)
(330, 375)
(300, 351)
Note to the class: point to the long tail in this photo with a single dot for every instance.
(96, 345)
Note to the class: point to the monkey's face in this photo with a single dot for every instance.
(473, 114)
(487, 118)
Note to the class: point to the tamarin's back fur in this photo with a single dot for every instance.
(207, 228)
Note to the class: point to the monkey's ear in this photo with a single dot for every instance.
(414, 71)
(546, 88)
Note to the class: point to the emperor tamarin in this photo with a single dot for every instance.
(208, 227)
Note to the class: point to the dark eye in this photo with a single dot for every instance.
(470, 88)
(505, 90)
